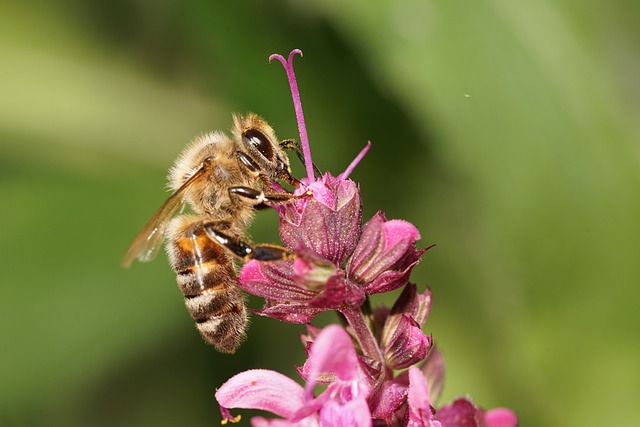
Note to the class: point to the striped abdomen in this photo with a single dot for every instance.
(208, 281)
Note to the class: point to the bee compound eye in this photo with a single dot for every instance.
(260, 141)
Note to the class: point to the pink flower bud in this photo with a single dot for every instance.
(385, 255)
(403, 342)
(414, 304)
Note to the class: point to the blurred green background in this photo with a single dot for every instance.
(507, 131)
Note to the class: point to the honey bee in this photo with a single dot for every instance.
(223, 180)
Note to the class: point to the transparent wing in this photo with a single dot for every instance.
(147, 243)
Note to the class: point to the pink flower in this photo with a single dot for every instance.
(385, 255)
(260, 389)
(337, 264)
(343, 403)
(393, 400)
(327, 223)
(463, 413)
(378, 260)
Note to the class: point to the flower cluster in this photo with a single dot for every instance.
(347, 399)
(379, 368)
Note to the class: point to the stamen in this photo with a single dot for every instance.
(227, 417)
(354, 163)
(297, 106)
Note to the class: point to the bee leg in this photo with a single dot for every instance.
(244, 250)
(258, 197)
(293, 145)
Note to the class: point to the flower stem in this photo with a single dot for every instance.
(365, 337)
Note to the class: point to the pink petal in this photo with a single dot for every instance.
(312, 271)
(323, 194)
(388, 400)
(324, 378)
(371, 242)
(272, 280)
(414, 304)
(333, 352)
(251, 272)
(398, 231)
(354, 413)
(263, 422)
(420, 414)
(328, 223)
(501, 417)
(433, 370)
(418, 391)
(385, 247)
(391, 280)
(290, 313)
(338, 291)
(261, 389)
(460, 413)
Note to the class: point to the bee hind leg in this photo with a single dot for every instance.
(244, 250)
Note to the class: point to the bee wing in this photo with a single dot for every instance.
(147, 243)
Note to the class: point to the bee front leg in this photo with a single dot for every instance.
(256, 197)
(293, 145)
(244, 250)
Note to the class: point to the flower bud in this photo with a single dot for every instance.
(403, 342)
(414, 304)
(385, 255)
